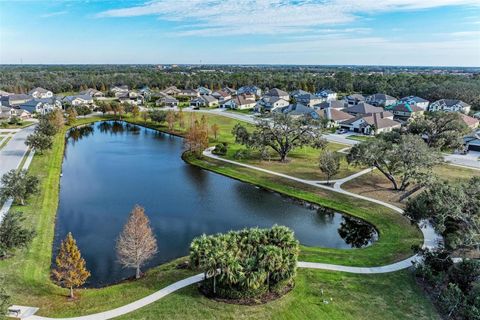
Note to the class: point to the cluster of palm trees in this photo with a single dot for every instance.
(246, 263)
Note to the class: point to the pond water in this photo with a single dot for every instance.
(111, 166)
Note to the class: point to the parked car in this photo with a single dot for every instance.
(342, 131)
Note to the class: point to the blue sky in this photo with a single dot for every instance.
(374, 32)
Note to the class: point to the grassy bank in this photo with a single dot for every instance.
(27, 274)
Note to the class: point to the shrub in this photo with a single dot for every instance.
(220, 149)
(247, 263)
(242, 154)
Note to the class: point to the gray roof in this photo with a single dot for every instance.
(335, 104)
(38, 89)
(299, 109)
(355, 96)
(381, 96)
(413, 98)
(364, 108)
(81, 96)
(452, 102)
(210, 99)
(275, 92)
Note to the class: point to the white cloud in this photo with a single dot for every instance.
(53, 14)
(235, 17)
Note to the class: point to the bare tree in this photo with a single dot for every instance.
(136, 244)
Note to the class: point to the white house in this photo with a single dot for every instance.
(203, 101)
(41, 106)
(450, 105)
(204, 91)
(327, 95)
(380, 99)
(40, 93)
(415, 101)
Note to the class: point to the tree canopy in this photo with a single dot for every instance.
(406, 161)
(18, 185)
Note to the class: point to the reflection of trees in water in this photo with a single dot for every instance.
(325, 215)
(77, 133)
(132, 128)
(116, 127)
(356, 233)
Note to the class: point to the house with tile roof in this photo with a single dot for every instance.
(363, 108)
(334, 116)
(405, 111)
(275, 92)
(40, 93)
(166, 100)
(270, 104)
(240, 102)
(354, 99)
(371, 124)
(471, 122)
(249, 90)
(309, 99)
(334, 104)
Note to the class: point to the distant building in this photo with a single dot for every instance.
(450, 105)
(190, 93)
(380, 99)
(93, 93)
(119, 90)
(172, 91)
(204, 91)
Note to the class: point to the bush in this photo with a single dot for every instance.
(246, 264)
(242, 154)
(220, 149)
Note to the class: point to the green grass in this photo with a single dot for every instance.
(22, 125)
(359, 138)
(349, 296)
(4, 142)
(27, 273)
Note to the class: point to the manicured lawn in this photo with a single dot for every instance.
(359, 138)
(4, 142)
(349, 296)
(27, 274)
(22, 125)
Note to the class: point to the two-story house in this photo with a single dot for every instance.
(327, 95)
(450, 105)
(380, 99)
(416, 101)
(40, 93)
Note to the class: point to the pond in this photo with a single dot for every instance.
(109, 167)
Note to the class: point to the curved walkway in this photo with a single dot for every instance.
(431, 239)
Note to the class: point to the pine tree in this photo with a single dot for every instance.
(136, 244)
(70, 270)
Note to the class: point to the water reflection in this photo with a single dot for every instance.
(112, 166)
(357, 233)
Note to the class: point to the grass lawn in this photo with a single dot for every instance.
(387, 296)
(26, 275)
(359, 138)
(4, 142)
(22, 125)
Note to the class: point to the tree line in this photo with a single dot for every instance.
(76, 78)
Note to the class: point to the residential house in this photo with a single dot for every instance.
(334, 116)
(450, 105)
(298, 110)
(309, 99)
(275, 92)
(334, 104)
(41, 106)
(172, 91)
(354, 99)
(146, 92)
(269, 104)
(94, 93)
(5, 113)
(373, 123)
(166, 100)
(40, 93)
(299, 92)
(250, 90)
(190, 93)
(471, 122)
(240, 102)
(78, 100)
(405, 111)
(119, 91)
(380, 99)
(21, 113)
(131, 97)
(15, 99)
(363, 108)
(327, 95)
(472, 142)
(204, 91)
(203, 101)
(415, 101)
(222, 95)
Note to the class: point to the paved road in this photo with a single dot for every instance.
(11, 155)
